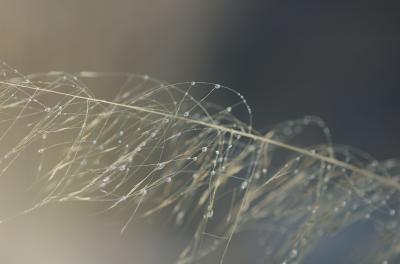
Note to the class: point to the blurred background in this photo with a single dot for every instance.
(339, 60)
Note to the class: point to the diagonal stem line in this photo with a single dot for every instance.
(383, 180)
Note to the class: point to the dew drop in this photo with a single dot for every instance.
(293, 253)
(179, 217)
(210, 213)
(160, 166)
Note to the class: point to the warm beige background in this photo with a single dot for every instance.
(165, 39)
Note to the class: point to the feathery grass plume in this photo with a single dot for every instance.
(159, 148)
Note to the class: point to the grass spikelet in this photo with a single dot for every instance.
(172, 149)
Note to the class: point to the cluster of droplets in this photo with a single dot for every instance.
(163, 147)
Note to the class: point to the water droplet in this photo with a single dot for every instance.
(204, 149)
(160, 166)
(293, 253)
(217, 86)
(186, 114)
(210, 213)
(244, 185)
(179, 217)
